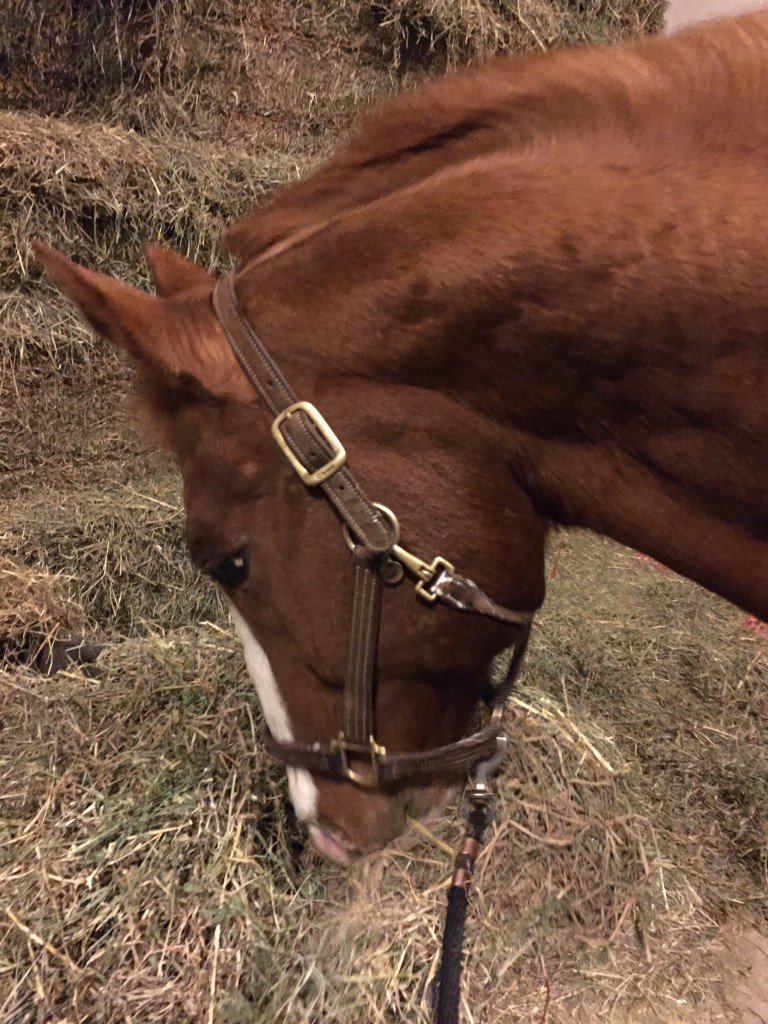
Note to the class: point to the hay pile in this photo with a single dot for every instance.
(149, 868)
(100, 190)
(269, 71)
(100, 193)
(452, 31)
(36, 610)
(290, 73)
(152, 871)
(100, 533)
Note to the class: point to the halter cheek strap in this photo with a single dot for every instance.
(372, 534)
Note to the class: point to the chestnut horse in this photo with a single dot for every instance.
(533, 293)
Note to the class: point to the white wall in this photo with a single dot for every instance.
(685, 12)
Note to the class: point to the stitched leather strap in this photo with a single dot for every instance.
(464, 595)
(374, 535)
(393, 769)
(369, 526)
(362, 650)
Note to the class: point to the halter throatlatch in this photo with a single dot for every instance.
(372, 534)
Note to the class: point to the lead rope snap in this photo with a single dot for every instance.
(478, 801)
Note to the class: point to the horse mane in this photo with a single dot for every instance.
(645, 95)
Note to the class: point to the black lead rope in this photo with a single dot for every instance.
(451, 956)
(478, 799)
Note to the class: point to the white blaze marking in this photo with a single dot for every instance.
(300, 784)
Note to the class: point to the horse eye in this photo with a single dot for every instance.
(231, 571)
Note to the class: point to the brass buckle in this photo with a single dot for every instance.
(371, 749)
(336, 461)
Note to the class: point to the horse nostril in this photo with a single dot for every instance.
(231, 570)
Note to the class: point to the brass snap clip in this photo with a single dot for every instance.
(426, 573)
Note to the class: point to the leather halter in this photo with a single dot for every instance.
(372, 535)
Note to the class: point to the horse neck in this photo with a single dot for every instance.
(627, 363)
(612, 492)
(632, 386)
(593, 309)
(647, 430)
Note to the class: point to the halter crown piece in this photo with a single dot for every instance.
(372, 534)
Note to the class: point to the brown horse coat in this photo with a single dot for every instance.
(530, 293)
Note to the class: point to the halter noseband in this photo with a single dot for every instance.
(372, 534)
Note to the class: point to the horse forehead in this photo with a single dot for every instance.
(228, 447)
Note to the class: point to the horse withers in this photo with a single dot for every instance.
(528, 294)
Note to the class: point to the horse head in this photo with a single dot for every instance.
(279, 553)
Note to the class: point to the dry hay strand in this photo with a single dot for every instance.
(102, 192)
(450, 32)
(36, 607)
(125, 546)
(154, 872)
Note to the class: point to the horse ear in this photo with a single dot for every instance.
(175, 336)
(174, 273)
(116, 310)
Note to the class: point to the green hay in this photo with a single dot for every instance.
(146, 841)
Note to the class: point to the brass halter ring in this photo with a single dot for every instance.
(426, 573)
(387, 513)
